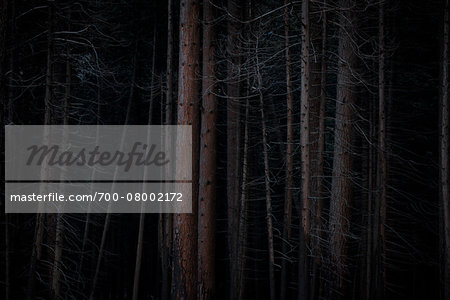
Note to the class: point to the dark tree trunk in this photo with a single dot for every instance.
(303, 281)
(341, 186)
(316, 158)
(382, 161)
(167, 219)
(289, 155)
(233, 144)
(5, 120)
(444, 160)
(268, 193)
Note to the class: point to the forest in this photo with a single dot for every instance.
(320, 146)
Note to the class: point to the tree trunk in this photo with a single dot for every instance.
(3, 26)
(341, 186)
(185, 225)
(382, 162)
(267, 182)
(315, 95)
(140, 244)
(244, 195)
(233, 144)
(58, 248)
(268, 205)
(305, 157)
(207, 183)
(167, 219)
(12, 62)
(166, 255)
(59, 229)
(371, 181)
(169, 71)
(321, 158)
(444, 160)
(289, 155)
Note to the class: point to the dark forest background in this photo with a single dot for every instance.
(320, 146)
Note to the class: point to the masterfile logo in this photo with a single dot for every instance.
(140, 154)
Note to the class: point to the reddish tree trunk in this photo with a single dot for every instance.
(185, 225)
(207, 181)
(169, 71)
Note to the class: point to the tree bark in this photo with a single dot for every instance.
(11, 61)
(169, 70)
(233, 143)
(317, 136)
(185, 225)
(444, 159)
(341, 186)
(303, 281)
(382, 162)
(167, 219)
(207, 181)
(268, 206)
(59, 227)
(3, 26)
(244, 195)
(266, 181)
(371, 193)
(289, 155)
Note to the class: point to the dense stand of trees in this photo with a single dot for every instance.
(320, 146)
